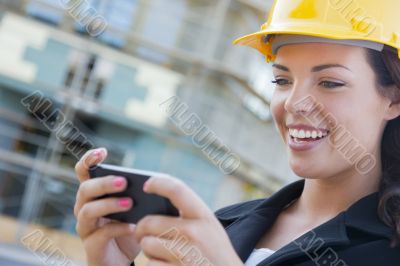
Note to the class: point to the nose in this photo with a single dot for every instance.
(299, 100)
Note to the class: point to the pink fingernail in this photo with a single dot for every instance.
(118, 182)
(96, 152)
(124, 203)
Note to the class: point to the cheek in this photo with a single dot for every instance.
(278, 110)
(360, 121)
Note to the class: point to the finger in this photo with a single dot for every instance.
(153, 262)
(109, 231)
(96, 187)
(181, 196)
(171, 251)
(90, 213)
(161, 226)
(90, 158)
(158, 249)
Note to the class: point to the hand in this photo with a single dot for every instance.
(194, 238)
(105, 242)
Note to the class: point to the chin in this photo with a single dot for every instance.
(306, 169)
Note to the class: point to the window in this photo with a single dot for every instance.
(118, 15)
(162, 23)
(49, 11)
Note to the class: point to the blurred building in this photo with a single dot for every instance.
(89, 73)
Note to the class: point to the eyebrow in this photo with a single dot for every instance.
(281, 67)
(314, 69)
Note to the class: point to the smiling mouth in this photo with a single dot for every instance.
(302, 136)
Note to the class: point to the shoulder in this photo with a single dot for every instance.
(229, 214)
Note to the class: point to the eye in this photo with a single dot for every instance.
(331, 84)
(281, 82)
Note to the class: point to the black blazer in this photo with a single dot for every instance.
(355, 237)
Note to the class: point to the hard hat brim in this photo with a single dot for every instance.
(257, 40)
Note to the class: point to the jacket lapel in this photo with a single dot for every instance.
(246, 231)
(313, 243)
(249, 228)
(363, 215)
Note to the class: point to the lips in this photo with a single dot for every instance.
(304, 137)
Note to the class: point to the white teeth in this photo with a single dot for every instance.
(314, 134)
(302, 134)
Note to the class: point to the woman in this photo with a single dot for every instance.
(336, 106)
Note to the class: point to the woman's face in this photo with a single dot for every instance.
(340, 83)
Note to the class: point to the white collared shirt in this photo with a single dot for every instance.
(258, 255)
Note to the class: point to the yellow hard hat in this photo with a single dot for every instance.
(363, 20)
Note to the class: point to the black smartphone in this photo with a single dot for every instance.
(143, 203)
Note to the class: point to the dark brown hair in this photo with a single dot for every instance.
(386, 65)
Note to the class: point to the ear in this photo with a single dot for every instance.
(393, 102)
(393, 111)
